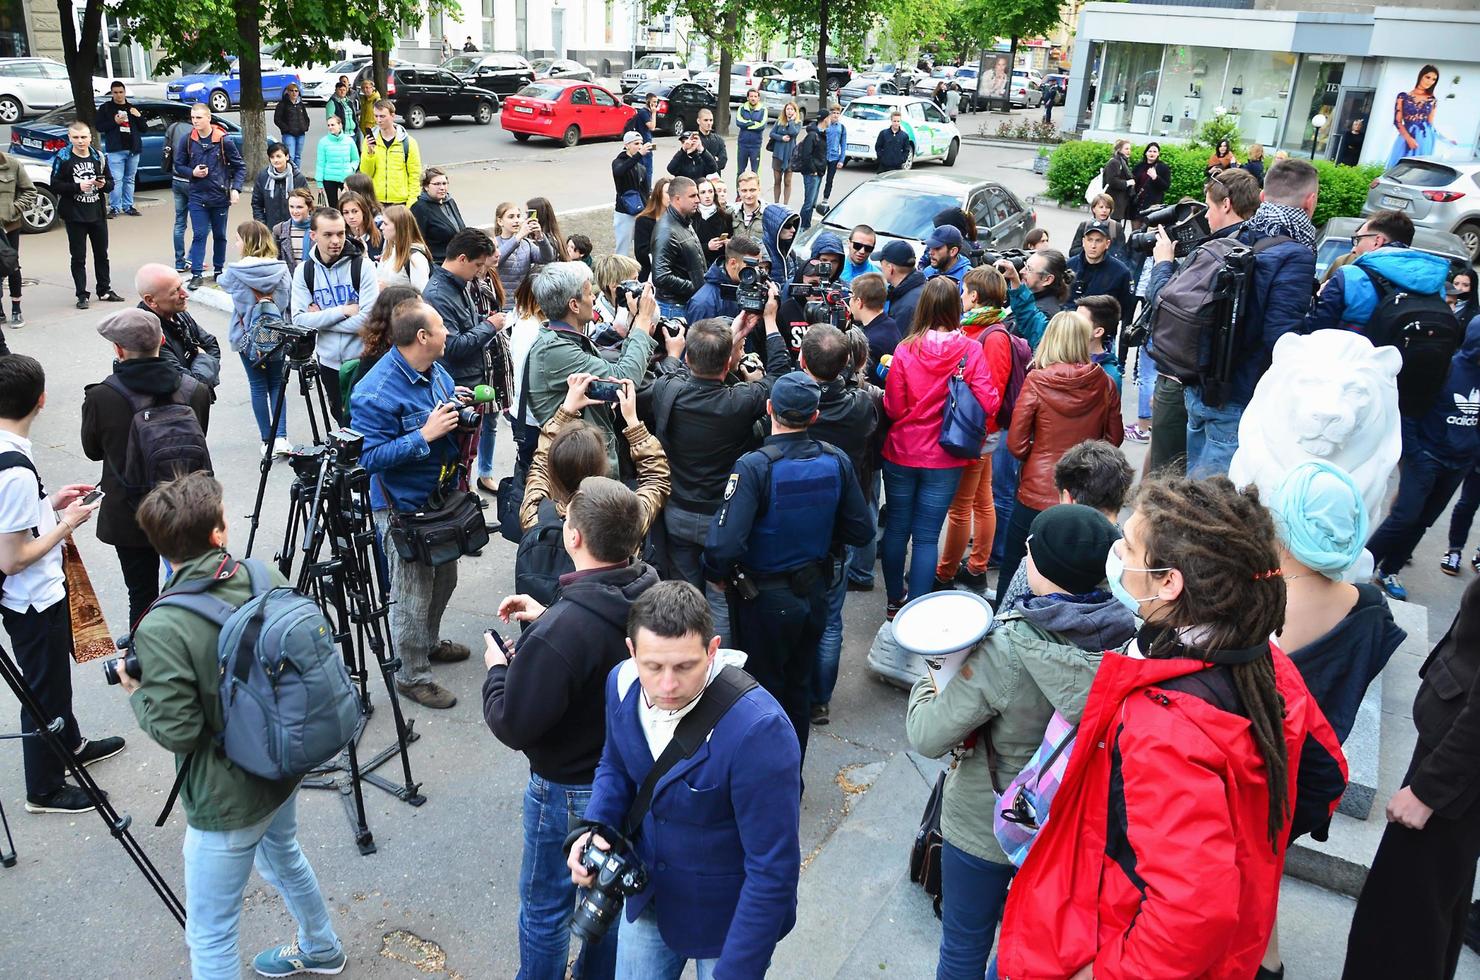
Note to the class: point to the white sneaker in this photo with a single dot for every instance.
(263, 450)
(281, 447)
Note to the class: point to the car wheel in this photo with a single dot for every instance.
(1469, 233)
(42, 216)
(675, 126)
(220, 101)
(572, 136)
(909, 159)
(10, 109)
(832, 85)
(484, 115)
(416, 117)
(521, 137)
(950, 160)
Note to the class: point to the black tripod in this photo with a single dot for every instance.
(330, 503)
(300, 360)
(117, 824)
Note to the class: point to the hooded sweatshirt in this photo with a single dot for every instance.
(1449, 431)
(1349, 297)
(550, 701)
(271, 280)
(270, 193)
(915, 395)
(774, 219)
(334, 287)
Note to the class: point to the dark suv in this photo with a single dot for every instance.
(678, 104)
(499, 71)
(420, 91)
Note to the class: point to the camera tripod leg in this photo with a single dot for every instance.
(279, 406)
(7, 858)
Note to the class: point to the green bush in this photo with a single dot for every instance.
(1219, 128)
(1074, 165)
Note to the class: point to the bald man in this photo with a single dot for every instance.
(191, 349)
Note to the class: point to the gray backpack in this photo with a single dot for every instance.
(287, 702)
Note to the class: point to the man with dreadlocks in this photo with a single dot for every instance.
(1168, 836)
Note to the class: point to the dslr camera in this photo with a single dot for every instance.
(618, 874)
(126, 664)
(1016, 256)
(823, 303)
(754, 288)
(1186, 224)
(628, 291)
(467, 416)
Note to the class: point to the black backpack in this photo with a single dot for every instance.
(165, 439)
(1425, 331)
(541, 558)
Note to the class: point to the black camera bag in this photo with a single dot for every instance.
(438, 535)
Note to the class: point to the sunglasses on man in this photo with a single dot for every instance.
(860, 247)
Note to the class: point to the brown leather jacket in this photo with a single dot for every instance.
(1059, 407)
(647, 456)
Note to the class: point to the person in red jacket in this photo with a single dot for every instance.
(920, 477)
(1162, 852)
(1065, 400)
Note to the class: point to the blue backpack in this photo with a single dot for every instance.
(287, 702)
(963, 424)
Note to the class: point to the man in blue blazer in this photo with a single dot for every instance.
(720, 841)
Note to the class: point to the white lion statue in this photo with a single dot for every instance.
(1331, 396)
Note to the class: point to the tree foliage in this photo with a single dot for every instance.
(1010, 18)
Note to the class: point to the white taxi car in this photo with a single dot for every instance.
(932, 134)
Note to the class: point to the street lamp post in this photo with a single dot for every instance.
(1318, 123)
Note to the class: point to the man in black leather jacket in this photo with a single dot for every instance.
(447, 293)
(692, 159)
(678, 258)
(188, 346)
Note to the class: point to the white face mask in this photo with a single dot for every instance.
(1115, 568)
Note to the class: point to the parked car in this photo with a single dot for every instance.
(901, 204)
(1436, 194)
(223, 90)
(561, 68)
(420, 91)
(500, 71)
(778, 90)
(317, 85)
(654, 68)
(35, 143)
(1027, 89)
(1335, 239)
(678, 104)
(29, 86)
(744, 76)
(932, 134)
(866, 86)
(566, 111)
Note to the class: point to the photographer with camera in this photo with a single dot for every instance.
(717, 297)
(549, 702)
(678, 257)
(234, 819)
(1098, 273)
(691, 159)
(1037, 292)
(407, 408)
(187, 346)
(141, 382)
(725, 891)
(334, 288)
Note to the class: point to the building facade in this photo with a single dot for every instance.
(1159, 72)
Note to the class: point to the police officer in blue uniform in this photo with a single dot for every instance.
(775, 543)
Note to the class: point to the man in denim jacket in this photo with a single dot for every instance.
(405, 409)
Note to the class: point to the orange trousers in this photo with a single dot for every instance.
(972, 517)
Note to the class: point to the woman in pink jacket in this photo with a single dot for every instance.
(920, 478)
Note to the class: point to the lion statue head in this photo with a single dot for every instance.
(1328, 396)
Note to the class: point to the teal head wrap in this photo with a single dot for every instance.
(1321, 517)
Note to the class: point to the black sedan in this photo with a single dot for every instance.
(499, 71)
(678, 104)
(561, 68)
(420, 91)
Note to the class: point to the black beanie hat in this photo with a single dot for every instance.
(1069, 543)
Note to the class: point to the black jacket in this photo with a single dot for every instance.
(1120, 184)
(695, 166)
(67, 173)
(438, 221)
(106, 421)
(270, 193)
(852, 418)
(903, 299)
(467, 332)
(714, 143)
(891, 149)
(630, 173)
(115, 138)
(1445, 772)
(678, 259)
(190, 348)
(721, 222)
(1108, 277)
(550, 701)
(810, 157)
(291, 118)
(706, 425)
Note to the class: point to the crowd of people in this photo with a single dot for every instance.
(716, 442)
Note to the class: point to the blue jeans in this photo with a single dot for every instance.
(1212, 435)
(747, 157)
(1007, 470)
(830, 647)
(207, 221)
(811, 184)
(182, 215)
(265, 382)
(1464, 512)
(972, 893)
(122, 165)
(217, 864)
(486, 438)
(1425, 485)
(1145, 383)
(861, 559)
(687, 531)
(624, 226)
(918, 499)
(547, 898)
(295, 147)
(642, 954)
(672, 309)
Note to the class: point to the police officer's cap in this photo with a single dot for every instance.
(794, 398)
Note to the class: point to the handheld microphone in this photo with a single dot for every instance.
(483, 394)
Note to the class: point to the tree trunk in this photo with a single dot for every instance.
(728, 37)
(822, 56)
(253, 108)
(380, 60)
(81, 55)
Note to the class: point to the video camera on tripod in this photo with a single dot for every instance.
(824, 302)
(755, 286)
(1015, 257)
(1185, 222)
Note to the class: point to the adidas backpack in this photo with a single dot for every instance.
(1425, 331)
(165, 439)
(287, 702)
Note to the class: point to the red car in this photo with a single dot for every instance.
(564, 111)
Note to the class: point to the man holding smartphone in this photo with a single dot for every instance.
(632, 175)
(81, 181)
(549, 702)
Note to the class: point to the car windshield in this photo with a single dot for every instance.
(903, 212)
(540, 64)
(345, 67)
(868, 111)
(462, 62)
(780, 86)
(651, 61)
(62, 116)
(549, 93)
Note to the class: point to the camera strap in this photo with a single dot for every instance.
(728, 686)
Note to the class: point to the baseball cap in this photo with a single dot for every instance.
(794, 398)
(945, 235)
(1096, 228)
(135, 330)
(898, 253)
(631, 136)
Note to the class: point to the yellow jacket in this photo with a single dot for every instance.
(394, 168)
(367, 110)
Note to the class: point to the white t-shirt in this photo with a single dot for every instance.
(41, 583)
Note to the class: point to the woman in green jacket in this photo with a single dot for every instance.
(1039, 658)
(338, 158)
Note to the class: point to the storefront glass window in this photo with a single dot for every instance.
(1191, 79)
(1256, 94)
(1127, 90)
(13, 40)
(1317, 86)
